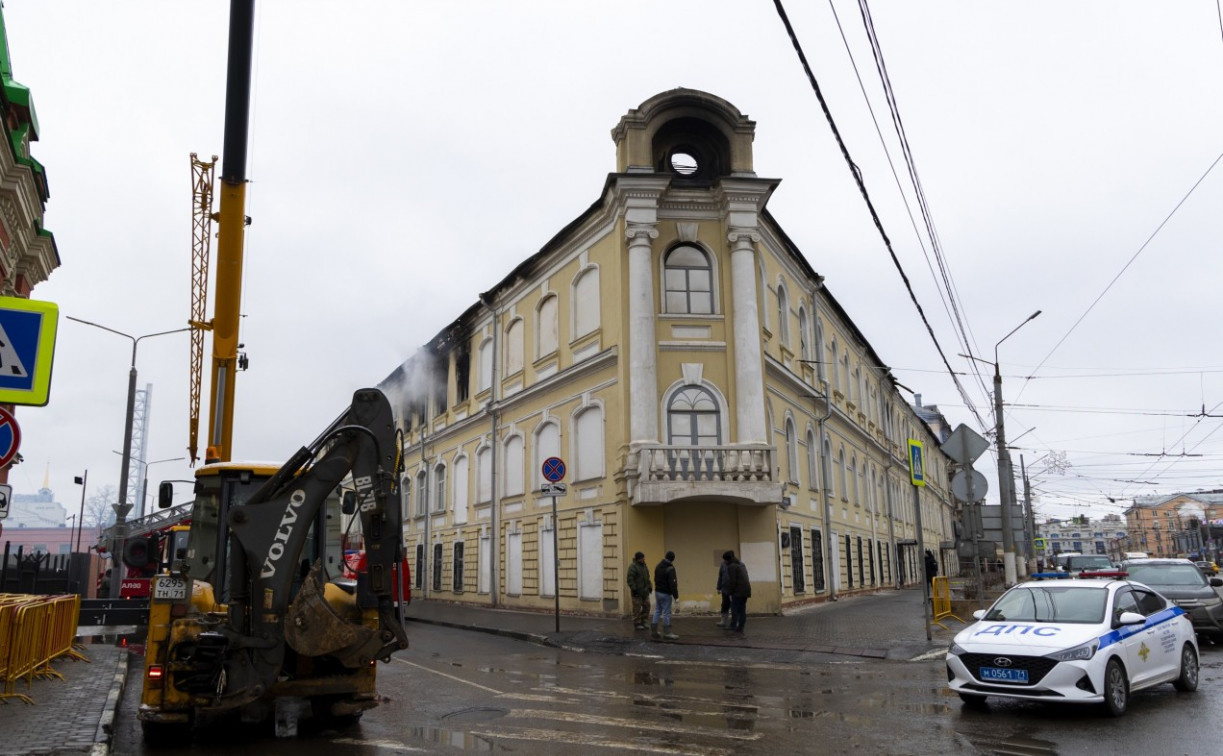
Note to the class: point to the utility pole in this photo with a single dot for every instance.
(1029, 517)
(1006, 476)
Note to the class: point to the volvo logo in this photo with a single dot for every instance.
(1002, 661)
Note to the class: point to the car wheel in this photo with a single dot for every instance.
(1116, 689)
(973, 699)
(1188, 680)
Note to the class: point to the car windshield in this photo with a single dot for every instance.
(1183, 575)
(1090, 563)
(1050, 603)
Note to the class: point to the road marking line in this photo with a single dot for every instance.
(554, 736)
(389, 745)
(938, 653)
(449, 677)
(635, 724)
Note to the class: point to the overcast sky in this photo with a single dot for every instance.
(405, 156)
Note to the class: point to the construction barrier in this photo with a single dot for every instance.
(940, 596)
(34, 631)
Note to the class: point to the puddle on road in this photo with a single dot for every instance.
(462, 740)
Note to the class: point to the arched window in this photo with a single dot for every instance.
(546, 327)
(422, 493)
(826, 467)
(513, 466)
(853, 476)
(688, 281)
(461, 484)
(547, 443)
(588, 429)
(484, 475)
(486, 365)
(783, 315)
(791, 452)
(813, 462)
(586, 312)
(844, 488)
(693, 418)
(513, 347)
(836, 367)
(804, 344)
(439, 488)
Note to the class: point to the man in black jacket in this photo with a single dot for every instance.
(739, 588)
(666, 590)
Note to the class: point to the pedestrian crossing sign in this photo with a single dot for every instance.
(27, 349)
(917, 463)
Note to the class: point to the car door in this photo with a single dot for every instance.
(1165, 642)
(1142, 660)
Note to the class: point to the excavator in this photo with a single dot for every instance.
(259, 617)
(254, 618)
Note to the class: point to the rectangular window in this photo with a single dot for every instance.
(796, 560)
(861, 577)
(817, 560)
(419, 572)
(462, 374)
(458, 567)
(437, 567)
(870, 553)
(849, 561)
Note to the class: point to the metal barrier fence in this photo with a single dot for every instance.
(940, 596)
(34, 631)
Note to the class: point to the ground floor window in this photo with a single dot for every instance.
(817, 560)
(437, 567)
(458, 567)
(420, 566)
(796, 560)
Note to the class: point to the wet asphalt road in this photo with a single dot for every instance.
(458, 692)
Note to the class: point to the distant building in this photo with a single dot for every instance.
(1082, 535)
(1177, 525)
(39, 510)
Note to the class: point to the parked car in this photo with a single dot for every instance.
(1208, 568)
(1080, 563)
(1184, 584)
(1078, 641)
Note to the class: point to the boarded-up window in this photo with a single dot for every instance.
(486, 365)
(484, 475)
(461, 486)
(590, 567)
(513, 348)
(588, 427)
(547, 327)
(586, 303)
(513, 466)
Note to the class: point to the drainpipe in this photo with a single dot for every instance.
(826, 444)
(426, 580)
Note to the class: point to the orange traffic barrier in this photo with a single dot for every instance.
(940, 595)
(34, 631)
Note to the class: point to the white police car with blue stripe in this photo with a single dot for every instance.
(1077, 641)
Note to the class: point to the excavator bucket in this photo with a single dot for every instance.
(314, 628)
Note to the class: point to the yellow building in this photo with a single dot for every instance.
(701, 384)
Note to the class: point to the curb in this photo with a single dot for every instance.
(106, 725)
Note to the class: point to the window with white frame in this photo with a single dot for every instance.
(422, 493)
(693, 418)
(547, 443)
(546, 326)
(461, 483)
(813, 478)
(791, 452)
(804, 345)
(588, 443)
(484, 474)
(783, 315)
(439, 488)
(513, 466)
(486, 365)
(844, 487)
(688, 281)
(513, 347)
(586, 312)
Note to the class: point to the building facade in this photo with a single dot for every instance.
(27, 250)
(1188, 525)
(702, 385)
(1105, 536)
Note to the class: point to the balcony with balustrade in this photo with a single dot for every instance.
(734, 474)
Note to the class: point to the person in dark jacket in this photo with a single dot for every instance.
(931, 567)
(666, 591)
(740, 589)
(640, 587)
(725, 593)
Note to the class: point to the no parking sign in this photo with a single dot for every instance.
(10, 437)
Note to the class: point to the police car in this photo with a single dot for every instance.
(1075, 640)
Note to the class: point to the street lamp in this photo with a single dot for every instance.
(80, 521)
(122, 508)
(144, 479)
(1006, 479)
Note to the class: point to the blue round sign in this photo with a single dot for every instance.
(554, 469)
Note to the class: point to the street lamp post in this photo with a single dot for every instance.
(122, 508)
(1006, 476)
(80, 521)
(144, 487)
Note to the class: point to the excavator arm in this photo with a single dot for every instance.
(268, 536)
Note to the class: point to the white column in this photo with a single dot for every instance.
(749, 360)
(642, 347)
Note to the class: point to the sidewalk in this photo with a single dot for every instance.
(884, 625)
(75, 715)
